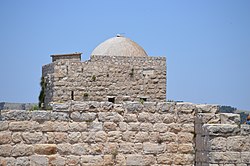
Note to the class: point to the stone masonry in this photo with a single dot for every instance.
(105, 77)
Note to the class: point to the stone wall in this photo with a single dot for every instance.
(221, 140)
(100, 133)
(103, 77)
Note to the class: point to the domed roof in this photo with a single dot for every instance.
(119, 46)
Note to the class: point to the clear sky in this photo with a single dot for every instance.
(207, 43)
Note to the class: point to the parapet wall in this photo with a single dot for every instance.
(221, 140)
(131, 133)
(99, 133)
(101, 77)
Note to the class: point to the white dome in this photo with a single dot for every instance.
(119, 46)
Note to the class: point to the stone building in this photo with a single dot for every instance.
(118, 70)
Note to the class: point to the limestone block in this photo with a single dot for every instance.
(111, 148)
(230, 118)
(56, 160)
(88, 137)
(153, 148)
(56, 137)
(133, 126)
(114, 136)
(64, 149)
(79, 149)
(5, 150)
(126, 148)
(17, 137)
(141, 137)
(134, 160)
(225, 157)
(4, 125)
(183, 159)
(184, 137)
(91, 159)
(22, 161)
(107, 105)
(154, 136)
(149, 160)
(110, 117)
(72, 160)
(220, 129)
(185, 118)
(100, 136)
(120, 159)
(5, 137)
(23, 126)
(133, 106)
(145, 117)
(60, 126)
(130, 118)
(38, 160)
(210, 118)
(186, 148)
(22, 150)
(165, 106)
(238, 143)
(78, 126)
(108, 160)
(165, 158)
(96, 149)
(47, 126)
(160, 127)
(123, 126)
(128, 136)
(74, 137)
(61, 106)
(169, 118)
(172, 147)
(245, 129)
(95, 126)
(6, 161)
(167, 137)
(45, 149)
(80, 106)
(18, 115)
(188, 128)
(59, 116)
(32, 138)
(245, 157)
(217, 144)
(109, 126)
(40, 116)
(147, 127)
(204, 108)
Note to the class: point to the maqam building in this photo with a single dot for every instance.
(118, 70)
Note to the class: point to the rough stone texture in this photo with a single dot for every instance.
(132, 133)
(103, 77)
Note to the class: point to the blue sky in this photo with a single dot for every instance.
(207, 43)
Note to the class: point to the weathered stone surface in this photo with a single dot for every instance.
(133, 126)
(153, 148)
(218, 143)
(74, 137)
(141, 137)
(100, 136)
(220, 129)
(95, 126)
(114, 136)
(109, 126)
(22, 161)
(19, 115)
(183, 159)
(5, 137)
(130, 118)
(165, 158)
(172, 147)
(56, 137)
(79, 149)
(23, 126)
(17, 137)
(39, 160)
(133, 106)
(72, 160)
(245, 157)
(128, 136)
(135, 160)
(126, 148)
(147, 127)
(97, 159)
(78, 126)
(32, 138)
(184, 137)
(4, 125)
(22, 150)
(5, 150)
(237, 143)
(56, 160)
(40, 116)
(59, 116)
(230, 118)
(110, 117)
(45, 149)
(64, 149)
(224, 157)
(167, 137)
(186, 148)
(160, 127)
(123, 126)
